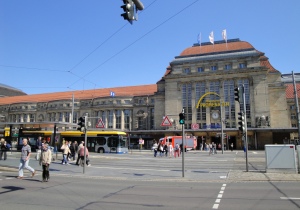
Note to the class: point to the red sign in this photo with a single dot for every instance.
(100, 124)
(195, 126)
(166, 122)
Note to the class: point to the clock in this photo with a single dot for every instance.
(215, 115)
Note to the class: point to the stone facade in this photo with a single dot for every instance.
(198, 81)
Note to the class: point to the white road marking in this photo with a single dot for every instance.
(220, 195)
(289, 198)
(215, 206)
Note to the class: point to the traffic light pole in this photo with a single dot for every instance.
(183, 148)
(85, 141)
(245, 133)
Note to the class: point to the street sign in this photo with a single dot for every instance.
(100, 124)
(166, 122)
(195, 126)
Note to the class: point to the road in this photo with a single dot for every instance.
(140, 181)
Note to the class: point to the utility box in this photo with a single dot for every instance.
(281, 158)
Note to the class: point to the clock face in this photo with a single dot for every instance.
(215, 115)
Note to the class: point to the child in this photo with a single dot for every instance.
(45, 161)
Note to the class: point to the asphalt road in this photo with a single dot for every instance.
(139, 181)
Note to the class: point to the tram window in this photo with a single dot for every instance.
(112, 141)
(123, 142)
(100, 141)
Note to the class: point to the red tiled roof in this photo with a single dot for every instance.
(223, 47)
(84, 94)
(290, 91)
(220, 47)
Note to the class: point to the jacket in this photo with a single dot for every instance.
(46, 157)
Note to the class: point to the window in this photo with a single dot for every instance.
(293, 116)
(187, 70)
(127, 101)
(31, 117)
(118, 101)
(242, 65)
(118, 119)
(292, 107)
(200, 69)
(227, 67)
(127, 114)
(214, 68)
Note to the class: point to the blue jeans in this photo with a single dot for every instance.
(64, 159)
(24, 164)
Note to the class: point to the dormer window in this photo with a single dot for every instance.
(242, 65)
(227, 67)
(214, 68)
(200, 69)
(187, 70)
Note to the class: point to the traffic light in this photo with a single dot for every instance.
(237, 94)
(81, 124)
(181, 118)
(241, 122)
(128, 8)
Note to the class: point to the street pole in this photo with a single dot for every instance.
(245, 120)
(85, 141)
(183, 147)
(222, 131)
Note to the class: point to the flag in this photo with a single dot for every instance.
(112, 94)
(224, 35)
(199, 39)
(211, 37)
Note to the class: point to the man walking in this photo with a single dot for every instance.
(24, 161)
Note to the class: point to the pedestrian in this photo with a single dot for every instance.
(176, 150)
(66, 150)
(78, 152)
(75, 145)
(81, 152)
(155, 148)
(45, 160)
(24, 160)
(231, 147)
(170, 149)
(166, 150)
(38, 148)
(160, 148)
(4, 147)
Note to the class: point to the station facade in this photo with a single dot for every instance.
(200, 81)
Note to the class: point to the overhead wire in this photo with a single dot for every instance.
(165, 21)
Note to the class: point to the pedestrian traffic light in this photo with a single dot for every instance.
(241, 122)
(81, 124)
(128, 8)
(181, 118)
(237, 94)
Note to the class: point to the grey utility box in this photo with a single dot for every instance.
(281, 158)
(298, 155)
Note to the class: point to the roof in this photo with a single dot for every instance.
(82, 94)
(221, 48)
(290, 90)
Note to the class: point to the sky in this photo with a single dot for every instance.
(67, 45)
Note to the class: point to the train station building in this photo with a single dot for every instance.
(200, 81)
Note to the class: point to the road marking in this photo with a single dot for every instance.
(289, 198)
(215, 206)
(220, 195)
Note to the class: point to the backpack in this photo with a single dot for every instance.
(176, 147)
(8, 146)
